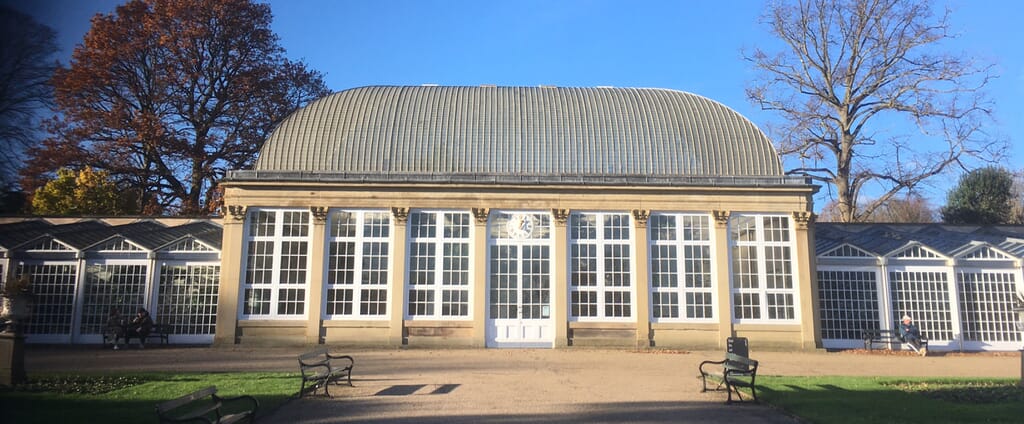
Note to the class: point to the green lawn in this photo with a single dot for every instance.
(131, 397)
(55, 398)
(895, 400)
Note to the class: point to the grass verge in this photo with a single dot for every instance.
(849, 400)
(131, 397)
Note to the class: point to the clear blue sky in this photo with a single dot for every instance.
(690, 45)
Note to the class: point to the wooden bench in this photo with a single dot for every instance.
(160, 332)
(887, 338)
(320, 368)
(737, 371)
(205, 406)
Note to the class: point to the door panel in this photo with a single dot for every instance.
(519, 297)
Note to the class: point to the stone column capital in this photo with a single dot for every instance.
(319, 214)
(237, 212)
(721, 218)
(641, 216)
(481, 214)
(803, 218)
(400, 214)
(561, 216)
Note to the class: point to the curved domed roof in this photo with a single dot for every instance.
(518, 131)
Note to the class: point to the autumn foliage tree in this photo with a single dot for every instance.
(167, 95)
(84, 192)
(849, 75)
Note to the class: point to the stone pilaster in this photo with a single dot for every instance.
(560, 297)
(317, 260)
(396, 305)
(479, 249)
(229, 298)
(804, 264)
(722, 277)
(642, 281)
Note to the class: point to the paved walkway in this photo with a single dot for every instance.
(512, 386)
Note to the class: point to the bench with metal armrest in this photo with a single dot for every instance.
(736, 371)
(320, 368)
(887, 338)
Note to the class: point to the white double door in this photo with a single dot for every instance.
(519, 296)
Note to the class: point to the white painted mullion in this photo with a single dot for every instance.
(953, 290)
(79, 300)
(151, 290)
(275, 262)
(680, 260)
(471, 269)
(795, 264)
(601, 287)
(761, 247)
(438, 285)
(357, 264)
(884, 294)
(308, 284)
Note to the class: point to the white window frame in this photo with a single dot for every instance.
(275, 285)
(147, 288)
(601, 288)
(925, 319)
(74, 318)
(761, 244)
(987, 326)
(877, 302)
(159, 289)
(680, 242)
(358, 285)
(439, 285)
(541, 234)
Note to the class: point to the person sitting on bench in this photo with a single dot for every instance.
(140, 327)
(912, 335)
(115, 326)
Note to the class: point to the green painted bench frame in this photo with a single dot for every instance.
(887, 338)
(737, 371)
(320, 368)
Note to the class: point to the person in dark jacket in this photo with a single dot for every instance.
(912, 335)
(140, 326)
(115, 326)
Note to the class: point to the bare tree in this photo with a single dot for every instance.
(850, 72)
(26, 65)
(910, 208)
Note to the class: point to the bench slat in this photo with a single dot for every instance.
(320, 368)
(191, 397)
(737, 371)
(204, 404)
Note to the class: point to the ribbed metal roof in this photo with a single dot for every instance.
(880, 239)
(150, 235)
(521, 131)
